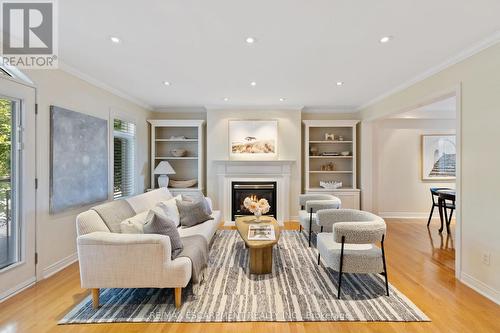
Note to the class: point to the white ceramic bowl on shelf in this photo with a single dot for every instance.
(182, 183)
(179, 152)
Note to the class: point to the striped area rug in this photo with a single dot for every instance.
(297, 290)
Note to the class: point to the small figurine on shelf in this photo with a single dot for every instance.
(341, 138)
(329, 137)
(328, 167)
(313, 151)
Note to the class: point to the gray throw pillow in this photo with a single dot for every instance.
(158, 224)
(192, 213)
(197, 198)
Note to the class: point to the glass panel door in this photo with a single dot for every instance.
(9, 226)
(17, 186)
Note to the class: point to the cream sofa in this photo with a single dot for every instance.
(116, 260)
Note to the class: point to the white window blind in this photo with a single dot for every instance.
(124, 158)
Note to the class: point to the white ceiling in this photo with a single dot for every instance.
(303, 47)
(443, 109)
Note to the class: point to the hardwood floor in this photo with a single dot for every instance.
(420, 264)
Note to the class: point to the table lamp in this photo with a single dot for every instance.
(163, 169)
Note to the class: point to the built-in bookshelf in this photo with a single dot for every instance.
(169, 135)
(330, 156)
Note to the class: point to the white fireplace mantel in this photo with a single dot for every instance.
(229, 171)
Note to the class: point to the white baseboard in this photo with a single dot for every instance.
(59, 265)
(481, 287)
(17, 289)
(406, 215)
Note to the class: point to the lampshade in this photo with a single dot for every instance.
(164, 168)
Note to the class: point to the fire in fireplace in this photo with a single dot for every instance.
(255, 190)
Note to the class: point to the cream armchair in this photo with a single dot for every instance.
(310, 204)
(350, 248)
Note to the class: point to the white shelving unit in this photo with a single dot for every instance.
(191, 166)
(344, 166)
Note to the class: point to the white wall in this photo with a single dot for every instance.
(56, 234)
(479, 79)
(399, 190)
(289, 144)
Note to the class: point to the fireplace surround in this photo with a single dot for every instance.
(256, 190)
(229, 171)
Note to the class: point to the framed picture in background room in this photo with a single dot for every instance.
(439, 156)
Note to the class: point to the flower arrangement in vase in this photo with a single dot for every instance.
(257, 207)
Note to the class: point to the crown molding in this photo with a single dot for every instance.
(463, 55)
(329, 109)
(93, 81)
(255, 107)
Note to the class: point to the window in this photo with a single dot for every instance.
(124, 158)
(9, 155)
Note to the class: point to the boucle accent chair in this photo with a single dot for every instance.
(350, 248)
(134, 260)
(310, 204)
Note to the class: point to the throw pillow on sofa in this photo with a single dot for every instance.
(207, 205)
(159, 224)
(135, 224)
(169, 209)
(192, 213)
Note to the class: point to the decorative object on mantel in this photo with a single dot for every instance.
(182, 183)
(330, 153)
(253, 139)
(179, 152)
(328, 167)
(257, 207)
(345, 153)
(164, 169)
(330, 184)
(329, 137)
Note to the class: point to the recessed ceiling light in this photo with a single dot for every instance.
(226, 99)
(250, 40)
(340, 83)
(115, 40)
(253, 83)
(282, 99)
(166, 83)
(386, 39)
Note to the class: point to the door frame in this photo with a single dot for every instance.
(367, 159)
(18, 89)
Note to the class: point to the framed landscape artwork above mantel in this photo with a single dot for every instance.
(439, 155)
(253, 139)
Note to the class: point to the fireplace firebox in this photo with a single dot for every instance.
(257, 190)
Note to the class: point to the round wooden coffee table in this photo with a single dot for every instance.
(261, 252)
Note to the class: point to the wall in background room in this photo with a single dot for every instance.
(479, 79)
(399, 190)
(289, 144)
(56, 234)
